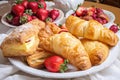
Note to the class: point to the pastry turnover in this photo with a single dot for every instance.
(37, 59)
(69, 47)
(96, 50)
(22, 41)
(91, 30)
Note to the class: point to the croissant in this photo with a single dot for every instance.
(91, 30)
(96, 50)
(69, 47)
(23, 40)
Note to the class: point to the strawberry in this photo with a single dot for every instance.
(15, 21)
(33, 5)
(18, 9)
(114, 28)
(42, 14)
(34, 17)
(91, 11)
(54, 14)
(56, 64)
(41, 4)
(79, 11)
(25, 3)
(25, 18)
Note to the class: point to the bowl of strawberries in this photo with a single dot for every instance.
(103, 16)
(23, 11)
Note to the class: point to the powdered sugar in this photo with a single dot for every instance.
(23, 27)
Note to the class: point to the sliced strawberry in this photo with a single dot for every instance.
(42, 14)
(79, 11)
(91, 11)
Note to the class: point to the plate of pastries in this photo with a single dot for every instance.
(43, 49)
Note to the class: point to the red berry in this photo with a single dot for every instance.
(54, 14)
(114, 28)
(42, 14)
(42, 4)
(18, 9)
(25, 3)
(79, 11)
(34, 17)
(15, 21)
(53, 63)
(33, 6)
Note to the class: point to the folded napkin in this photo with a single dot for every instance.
(9, 72)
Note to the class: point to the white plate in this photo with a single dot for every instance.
(110, 15)
(43, 73)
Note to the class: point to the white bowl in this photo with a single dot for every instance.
(110, 15)
(57, 21)
(113, 54)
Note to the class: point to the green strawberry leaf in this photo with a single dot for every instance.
(64, 66)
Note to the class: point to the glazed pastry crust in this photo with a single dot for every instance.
(37, 59)
(23, 40)
(91, 29)
(69, 47)
(97, 51)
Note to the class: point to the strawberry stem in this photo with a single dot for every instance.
(28, 11)
(60, 25)
(18, 1)
(64, 66)
(48, 19)
(23, 19)
(9, 17)
(40, 6)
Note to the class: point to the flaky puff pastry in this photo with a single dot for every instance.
(69, 47)
(37, 59)
(91, 30)
(49, 30)
(23, 40)
(97, 51)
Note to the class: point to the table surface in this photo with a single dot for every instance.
(115, 10)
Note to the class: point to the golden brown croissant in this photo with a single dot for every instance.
(91, 30)
(69, 47)
(97, 51)
(22, 41)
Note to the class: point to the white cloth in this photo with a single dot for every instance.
(9, 72)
